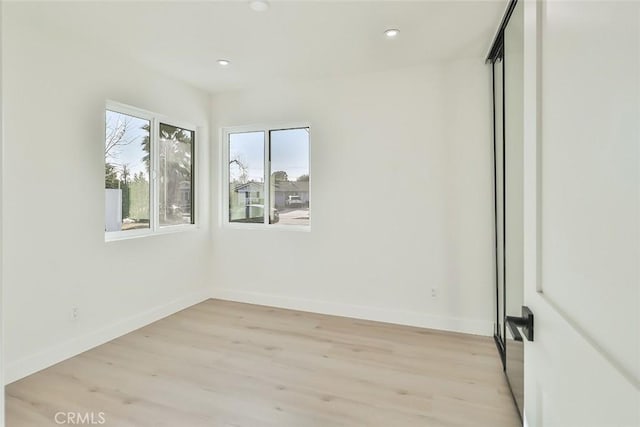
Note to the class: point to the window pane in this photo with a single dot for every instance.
(246, 177)
(175, 180)
(126, 181)
(290, 176)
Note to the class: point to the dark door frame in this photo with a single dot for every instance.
(496, 57)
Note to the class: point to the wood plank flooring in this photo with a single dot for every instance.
(225, 364)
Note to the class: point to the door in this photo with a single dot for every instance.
(582, 212)
(499, 168)
(513, 201)
(506, 58)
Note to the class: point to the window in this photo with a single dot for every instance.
(149, 173)
(246, 177)
(176, 170)
(268, 167)
(126, 179)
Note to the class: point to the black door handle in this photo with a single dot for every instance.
(514, 329)
(526, 321)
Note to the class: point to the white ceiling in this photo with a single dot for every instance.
(291, 40)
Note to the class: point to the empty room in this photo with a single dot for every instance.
(320, 213)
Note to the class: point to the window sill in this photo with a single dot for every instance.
(275, 227)
(115, 236)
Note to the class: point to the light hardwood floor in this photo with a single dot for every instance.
(228, 364)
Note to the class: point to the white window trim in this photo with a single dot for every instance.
(224, 178)
(154, 191)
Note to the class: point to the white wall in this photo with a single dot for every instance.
(400, 200)
(55, 256)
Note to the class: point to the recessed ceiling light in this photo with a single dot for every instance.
(391, 33)
(224, 62)
(259, 5)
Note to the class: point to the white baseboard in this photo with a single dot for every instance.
(409, 318)
(34, 363)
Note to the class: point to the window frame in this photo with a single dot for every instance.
(155, 120)
(224, 178)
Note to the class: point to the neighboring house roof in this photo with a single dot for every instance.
(293, 186)
(289, 186)
(249, 187)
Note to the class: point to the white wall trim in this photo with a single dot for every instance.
(378, 314)
(55, 354)
(2, 366)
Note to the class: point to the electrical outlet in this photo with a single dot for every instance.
(74, 313)
(434, 292)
